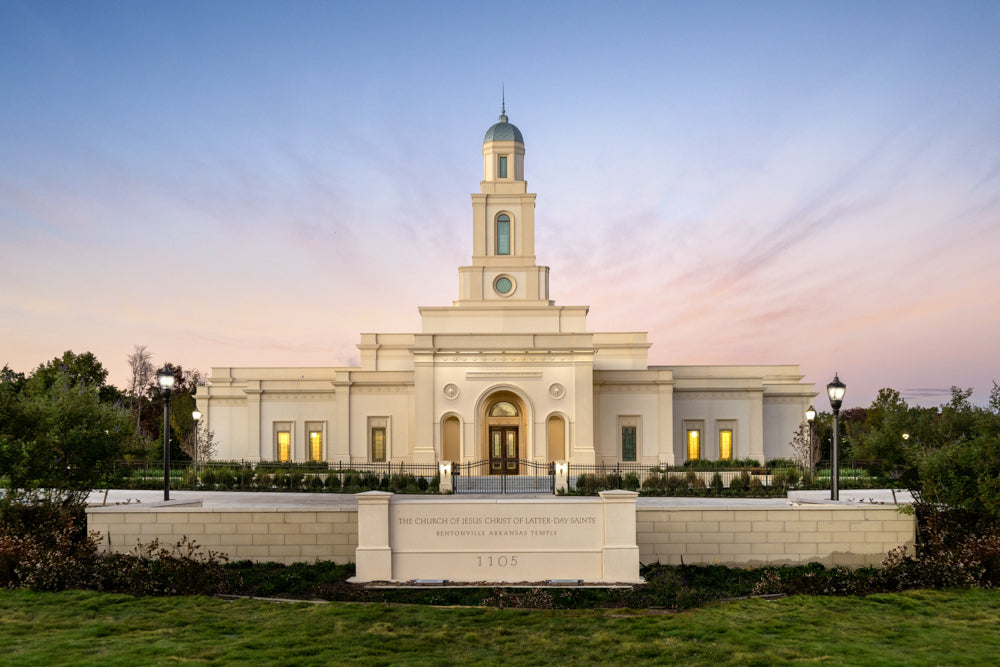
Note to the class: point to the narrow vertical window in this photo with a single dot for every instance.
(284, 446)
(315, 446)
(694, 444)
(378, 444)
(628, 443)
(503, 234)
(502, 167)
(726, 444)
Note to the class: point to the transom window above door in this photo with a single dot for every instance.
(503, 409)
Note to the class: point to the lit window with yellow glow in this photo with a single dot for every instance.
(694, 444)
(726, 444)
(315, 445)
(284, 446)
(378, 444)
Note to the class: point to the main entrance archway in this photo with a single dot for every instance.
(504, 425)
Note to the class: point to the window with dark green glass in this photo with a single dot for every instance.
(503, 234)
(628, 443)
(378, 444)
(502, 167)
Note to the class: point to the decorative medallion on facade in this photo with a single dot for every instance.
(556, 390)
(451, 391)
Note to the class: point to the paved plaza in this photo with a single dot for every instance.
(265, 500)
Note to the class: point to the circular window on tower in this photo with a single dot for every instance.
(504, 285)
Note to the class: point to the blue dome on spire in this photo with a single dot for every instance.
(503, 131)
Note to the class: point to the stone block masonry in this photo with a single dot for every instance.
(282, 535)
(848, 535)
(740, 536)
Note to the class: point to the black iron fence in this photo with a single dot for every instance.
(526, 477)
(249, 475)
(643, 477)
(475, 477)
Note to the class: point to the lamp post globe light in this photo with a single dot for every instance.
(835, 390)
(165, 378)
(811, 417)
(196, 415)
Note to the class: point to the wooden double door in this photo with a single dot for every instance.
(503, 450)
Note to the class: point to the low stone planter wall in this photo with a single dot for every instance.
(740, 536)
(282, 535)
(852, 535)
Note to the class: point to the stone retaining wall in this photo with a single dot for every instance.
(852, 535)
(282, 535)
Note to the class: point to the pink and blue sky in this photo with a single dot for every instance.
(257, 183)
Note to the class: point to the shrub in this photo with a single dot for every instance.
(673, 483)
(44, 544)
(316, 483)
(655, 481)
(153, 569)
(399, 482)
(779, 482)
(352, 480)
(586, 484)
(208, 477)
(225, 478)
(630, 482)
(333, 482)
(741, 483)
(716, 484)
(244, 477)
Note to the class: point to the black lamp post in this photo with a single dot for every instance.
(836, 391)
(811, 417)
(165, 378)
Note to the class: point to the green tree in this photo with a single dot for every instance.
(78, 370)
(58, 437)
(182, 404)
(880, 435)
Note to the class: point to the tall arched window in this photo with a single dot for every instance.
(503, 234)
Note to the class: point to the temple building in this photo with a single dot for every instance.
(505, 375)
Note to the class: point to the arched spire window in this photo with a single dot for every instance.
(503, 234)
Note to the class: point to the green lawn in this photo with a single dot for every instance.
(83, 628)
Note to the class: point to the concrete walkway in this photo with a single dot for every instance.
(266, 500)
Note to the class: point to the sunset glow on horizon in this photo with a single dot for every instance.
(750, 183)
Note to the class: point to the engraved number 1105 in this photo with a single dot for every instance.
(496, 561)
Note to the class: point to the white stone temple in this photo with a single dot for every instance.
(504, 374)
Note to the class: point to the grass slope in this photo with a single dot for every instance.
(85, 628)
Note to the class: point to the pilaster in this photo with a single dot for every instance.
(254, 427)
